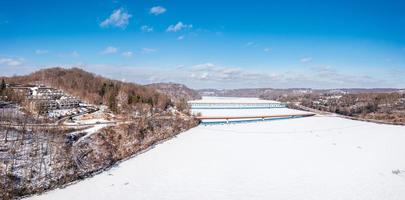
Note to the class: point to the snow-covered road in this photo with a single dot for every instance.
(304, 158)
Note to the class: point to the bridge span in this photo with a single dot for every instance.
(240, 119)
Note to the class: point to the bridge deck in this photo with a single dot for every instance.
(253, 117)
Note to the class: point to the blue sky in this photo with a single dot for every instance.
(210, 44)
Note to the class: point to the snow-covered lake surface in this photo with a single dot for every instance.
(319, 157)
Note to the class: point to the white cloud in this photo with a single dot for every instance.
(148, 50)
(119, 18)
(146, 28)
(157, 10)
(178, 27)
(204, 66)
(127, 54)
(306, 59)
(203, 76)
(109, 50)
(266, 49)
(181, 37)
(41, 51)
(209, 72)
(180, 66)
(11, 61)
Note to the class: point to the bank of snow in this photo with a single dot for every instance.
(304, 158)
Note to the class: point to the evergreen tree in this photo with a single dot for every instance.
(3, 85)
(103, 90)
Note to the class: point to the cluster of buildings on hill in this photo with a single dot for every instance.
(45, 99)
(49, 101)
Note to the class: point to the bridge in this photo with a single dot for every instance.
(238, 119)
(234, 103)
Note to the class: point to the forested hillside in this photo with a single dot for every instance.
(119, 96)
(176, 91)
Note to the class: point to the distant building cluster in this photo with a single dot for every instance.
(45, 99)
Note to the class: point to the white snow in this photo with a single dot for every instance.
(313, 158)
(96, 125)
(88, 121)
(90, 131)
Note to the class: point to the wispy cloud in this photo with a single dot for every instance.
(251, 44)
(266, 49)
(203, 67)
(148, 50)
(180, 66)
(328, 75)
(118, 18)
(127, 54)
(221, 74)
(146, 28)
(72, 54)
(157, 10)
(109, 50)
(306, 59)
(11, 61)
(178, 27)
(41, 51)
(181, 37)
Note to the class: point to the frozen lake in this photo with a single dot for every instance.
(315, 157)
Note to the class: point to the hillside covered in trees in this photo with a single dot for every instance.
(119, 96)
(176, 91)
(378, 107)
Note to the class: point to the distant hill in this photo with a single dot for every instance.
(176, 91)
(274, 93)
